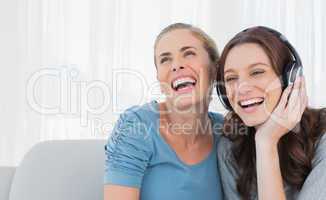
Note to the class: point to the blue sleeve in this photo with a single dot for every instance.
(128, 151)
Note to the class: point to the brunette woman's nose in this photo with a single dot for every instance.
(244, 88)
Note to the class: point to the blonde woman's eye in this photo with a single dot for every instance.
(187, 53)
(163, 60)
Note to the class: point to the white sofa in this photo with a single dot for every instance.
(57, 170)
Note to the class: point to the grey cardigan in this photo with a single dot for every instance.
(314, 187)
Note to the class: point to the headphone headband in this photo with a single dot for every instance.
(284, 40)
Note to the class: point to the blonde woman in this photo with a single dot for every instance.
(161, 151)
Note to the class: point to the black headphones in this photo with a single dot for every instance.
(289, 74)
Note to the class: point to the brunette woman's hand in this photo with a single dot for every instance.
(286, 115)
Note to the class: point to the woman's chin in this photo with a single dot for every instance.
(181, 104)
(252, 121)
(187, 104)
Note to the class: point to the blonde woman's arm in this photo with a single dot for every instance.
(116, 192)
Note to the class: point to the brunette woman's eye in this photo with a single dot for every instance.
(230, 78)
(257, 72)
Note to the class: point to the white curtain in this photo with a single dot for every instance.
(82, 62)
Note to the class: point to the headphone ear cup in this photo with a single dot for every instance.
(289, 73)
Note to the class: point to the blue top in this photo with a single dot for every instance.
(137, 156)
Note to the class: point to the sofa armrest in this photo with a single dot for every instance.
(6, 176)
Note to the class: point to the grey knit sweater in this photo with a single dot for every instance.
(314, 187)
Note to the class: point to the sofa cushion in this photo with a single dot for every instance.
(61, 170)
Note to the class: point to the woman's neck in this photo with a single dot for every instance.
(189, 124)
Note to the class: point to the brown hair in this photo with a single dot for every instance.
(296, 150)
(207, 41)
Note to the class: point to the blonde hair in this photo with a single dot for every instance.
(207, 41)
